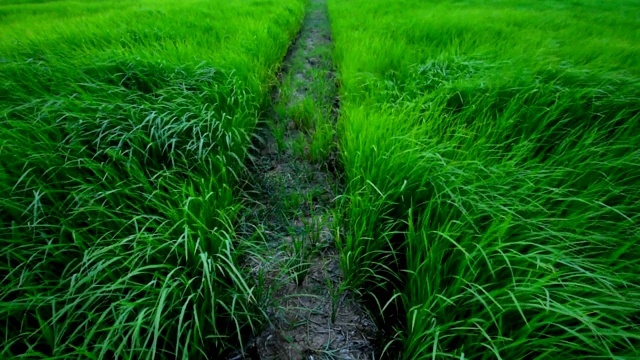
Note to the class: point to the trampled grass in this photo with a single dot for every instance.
(492, 157)
(123, 128)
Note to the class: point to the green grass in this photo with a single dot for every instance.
(492, 159)
(124, 127)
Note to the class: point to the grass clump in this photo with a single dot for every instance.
(123, 129)
(491, 153)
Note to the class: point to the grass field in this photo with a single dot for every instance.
(491, 151)
(489, 155)
(124, 126)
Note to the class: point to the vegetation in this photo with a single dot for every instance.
(492, 159)
(124, 126)
(490, 152)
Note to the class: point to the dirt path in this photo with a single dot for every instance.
(311, 315)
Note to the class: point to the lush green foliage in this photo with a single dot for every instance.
(123, 126)
(492, 153)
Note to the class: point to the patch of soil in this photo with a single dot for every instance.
(311, 313)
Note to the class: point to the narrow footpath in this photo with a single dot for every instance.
(311, 314)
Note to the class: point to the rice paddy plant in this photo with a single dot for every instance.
(123, 130)
(321, 142)
(303, 114)
(298, 254)
(492, 155)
